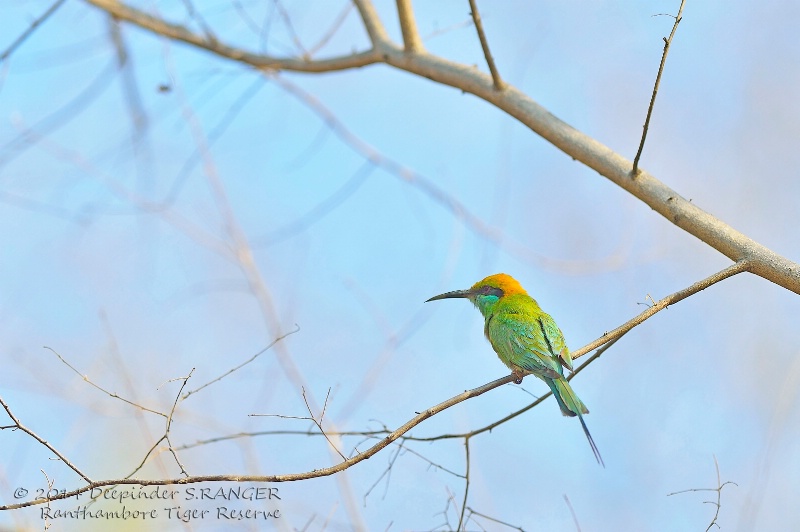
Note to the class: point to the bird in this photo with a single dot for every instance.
(526, 339)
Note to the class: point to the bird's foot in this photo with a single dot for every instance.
(518, 377)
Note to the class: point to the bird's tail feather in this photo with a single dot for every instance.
(595, 450)
(571, 405)
(568, 402)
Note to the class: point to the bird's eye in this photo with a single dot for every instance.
(491, 291)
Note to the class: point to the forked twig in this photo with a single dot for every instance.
(718, 489)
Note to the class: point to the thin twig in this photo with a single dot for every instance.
(667, 42)
(125, 375)
(499, 84)
(169, 422)
(318, 423)
(153, 447)
(18, 425)
(386, 473)
(246, 362)
(509, 525)
(718, 489)
(97, 386)
(50, 483)
(466, 484)
(451, 500)
(367, 435)
(27, 33)
(287, 21)
(311, 417)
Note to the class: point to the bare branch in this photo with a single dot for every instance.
(372, 23)
(169, 422)
(27, 33)
(243, 364)
(499, 84)
(291, 477)
(163, 437)
(509, 525)
(466, 484)
(290, 28)
(97, 386)
(408, 25)
(387, 473)
(18, 425)
(661, 198)
(181, 33)
(718, 489)
(318, 422)
(667, 42)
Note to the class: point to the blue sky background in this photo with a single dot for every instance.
(116, 254)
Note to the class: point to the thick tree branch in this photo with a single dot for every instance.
(661, 198)
(181, 33)
(668, 203)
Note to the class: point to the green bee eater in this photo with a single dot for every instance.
(526, 339)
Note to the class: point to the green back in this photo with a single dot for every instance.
(525, 337)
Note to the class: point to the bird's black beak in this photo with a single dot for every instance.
(453, 294)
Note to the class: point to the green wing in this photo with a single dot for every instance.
(529, 340)
(556, 339)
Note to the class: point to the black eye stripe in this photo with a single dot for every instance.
(491, 291)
